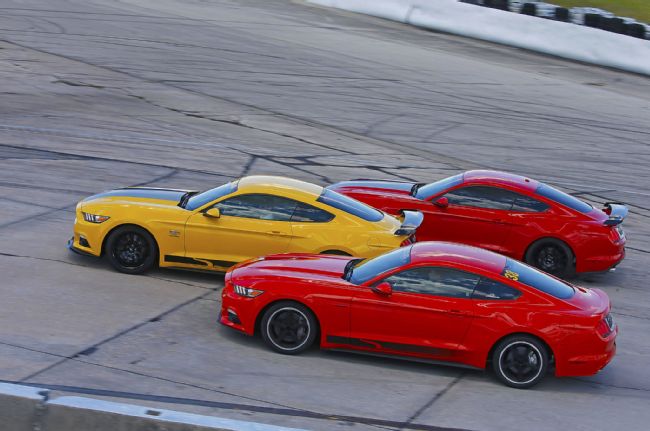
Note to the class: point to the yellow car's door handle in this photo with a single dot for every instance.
(274, 232)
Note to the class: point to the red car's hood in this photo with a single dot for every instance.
(593, 301)
(293, 265)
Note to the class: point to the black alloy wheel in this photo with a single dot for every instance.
(131, 250)
(289, 327)
(551, 256)
(520, 361)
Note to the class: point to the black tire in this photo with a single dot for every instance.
(289, 327)
(131, 250)
(520, 361)
(552, 256)
(335, 253)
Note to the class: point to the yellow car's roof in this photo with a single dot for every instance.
(281, 184)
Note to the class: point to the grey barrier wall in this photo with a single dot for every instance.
(30, 409)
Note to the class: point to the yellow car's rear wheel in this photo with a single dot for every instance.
(131, 249)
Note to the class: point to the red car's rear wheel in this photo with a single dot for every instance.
(289, 327)
(520, 361)
(552, 256)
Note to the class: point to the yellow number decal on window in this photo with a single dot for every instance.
(511, 275)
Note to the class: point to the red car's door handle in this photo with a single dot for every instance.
(459, 312)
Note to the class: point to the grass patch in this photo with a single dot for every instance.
(637, 9)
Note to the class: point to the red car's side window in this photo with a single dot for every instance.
(436, 281)
(494, 198)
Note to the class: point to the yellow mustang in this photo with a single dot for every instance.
(254, 216)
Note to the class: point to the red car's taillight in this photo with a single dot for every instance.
(605, 326)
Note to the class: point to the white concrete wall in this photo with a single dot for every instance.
(550, 37)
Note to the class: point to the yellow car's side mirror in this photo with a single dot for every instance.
(212, 213)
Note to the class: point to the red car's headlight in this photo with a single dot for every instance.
(246, 291)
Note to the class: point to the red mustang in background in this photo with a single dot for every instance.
(437, 301)
(509, 214)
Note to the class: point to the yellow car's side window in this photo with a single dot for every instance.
(271, 207)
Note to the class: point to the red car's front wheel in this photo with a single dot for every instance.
(289, 327)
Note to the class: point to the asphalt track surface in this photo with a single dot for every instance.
(188, 93)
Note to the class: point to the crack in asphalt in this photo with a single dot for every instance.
(93, 348)
(435, 398)
(5, 254)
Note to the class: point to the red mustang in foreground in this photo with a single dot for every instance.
(438, 301)
(509, 214)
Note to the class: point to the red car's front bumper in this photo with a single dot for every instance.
(238, 312)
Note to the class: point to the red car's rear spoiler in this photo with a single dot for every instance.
(616, 212)
(412, 221)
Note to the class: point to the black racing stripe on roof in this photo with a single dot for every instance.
(160, 194)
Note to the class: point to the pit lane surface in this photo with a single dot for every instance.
(102, 94)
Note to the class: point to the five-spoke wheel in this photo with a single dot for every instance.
(552, 256)
(131, 249)
(289, 327)
(520, 361)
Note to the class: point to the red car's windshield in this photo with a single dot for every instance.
(426, 191)
(371, 268)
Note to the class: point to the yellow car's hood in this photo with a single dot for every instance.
(144, 195)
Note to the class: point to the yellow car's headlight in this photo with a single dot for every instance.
(95, 218)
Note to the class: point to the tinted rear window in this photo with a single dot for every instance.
(350, 206)
(563, 198)
(488, 289)
(371, 268)
(308, 213)
(426, 192)
(530, 276)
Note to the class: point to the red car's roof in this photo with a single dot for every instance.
(436, 251)
(500, 178)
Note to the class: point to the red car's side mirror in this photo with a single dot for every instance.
(442, 202)
(383, 288)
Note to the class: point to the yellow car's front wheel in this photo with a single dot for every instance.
(131, 249)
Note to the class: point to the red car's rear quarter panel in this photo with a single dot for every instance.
(495, 320)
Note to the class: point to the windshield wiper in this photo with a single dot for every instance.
(415, 188)
(185, 198)
(349, 267)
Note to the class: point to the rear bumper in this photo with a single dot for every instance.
(590, 363)
(603, 263)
